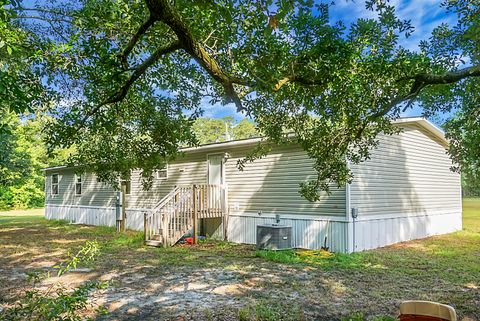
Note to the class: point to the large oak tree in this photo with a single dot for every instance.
(128, 78)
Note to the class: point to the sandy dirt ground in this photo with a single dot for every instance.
(215, 281)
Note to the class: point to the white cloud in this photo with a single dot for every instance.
(424, 15)
(219, 111)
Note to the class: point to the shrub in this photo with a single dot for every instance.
(6, 198)
(28, 195)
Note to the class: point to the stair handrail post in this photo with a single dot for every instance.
(195, 227)
(163, 218)
(225, 212)
(175, 210)
(145, 226)
(123, 186)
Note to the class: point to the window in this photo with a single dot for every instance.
(54, 189)
(162, 173)
(78, 184)
(128, 187)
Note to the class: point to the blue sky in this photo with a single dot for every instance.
(425, 15)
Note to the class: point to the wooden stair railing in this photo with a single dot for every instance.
(179, 211)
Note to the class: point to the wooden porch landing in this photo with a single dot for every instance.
(180, 210)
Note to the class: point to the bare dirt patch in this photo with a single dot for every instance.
(213, 281)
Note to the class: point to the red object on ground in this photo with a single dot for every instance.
(189, 240)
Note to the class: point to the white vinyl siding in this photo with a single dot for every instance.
(271, 185)
(94, 193)
(407, 174)
(186, 170)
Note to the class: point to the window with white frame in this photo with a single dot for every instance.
(78, 184)
(162, 173)
(54, 185)
(128, 186)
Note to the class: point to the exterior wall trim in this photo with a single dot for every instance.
(291, 217)
(96, 207)
(406, 215)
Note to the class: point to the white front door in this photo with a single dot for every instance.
(215, 169)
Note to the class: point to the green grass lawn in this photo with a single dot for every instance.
(443, 268)
(471, 215)
(29, 212)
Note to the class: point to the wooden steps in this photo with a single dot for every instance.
(179, 211)
(153, 243)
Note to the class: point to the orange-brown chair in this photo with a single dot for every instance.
(426, 311)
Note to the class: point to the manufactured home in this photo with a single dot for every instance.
(405, 191)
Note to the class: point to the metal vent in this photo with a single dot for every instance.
(274, 237)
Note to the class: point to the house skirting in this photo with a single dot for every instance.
(94, 215)
(369, 232)
(307, 233)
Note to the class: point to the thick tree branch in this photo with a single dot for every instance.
(140, 70)
(133, 41)
(122, 92)
(423, 80)
(299, 80)
(448, 77)
(163, 11)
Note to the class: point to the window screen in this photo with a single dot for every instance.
(54, 187)
(78, 184)
(162, 173)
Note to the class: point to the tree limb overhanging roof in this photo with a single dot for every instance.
(419, 121)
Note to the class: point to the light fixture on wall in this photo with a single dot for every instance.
(226, 156)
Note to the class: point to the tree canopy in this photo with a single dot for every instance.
(23, 155)
(125, 80)
(211, 130)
